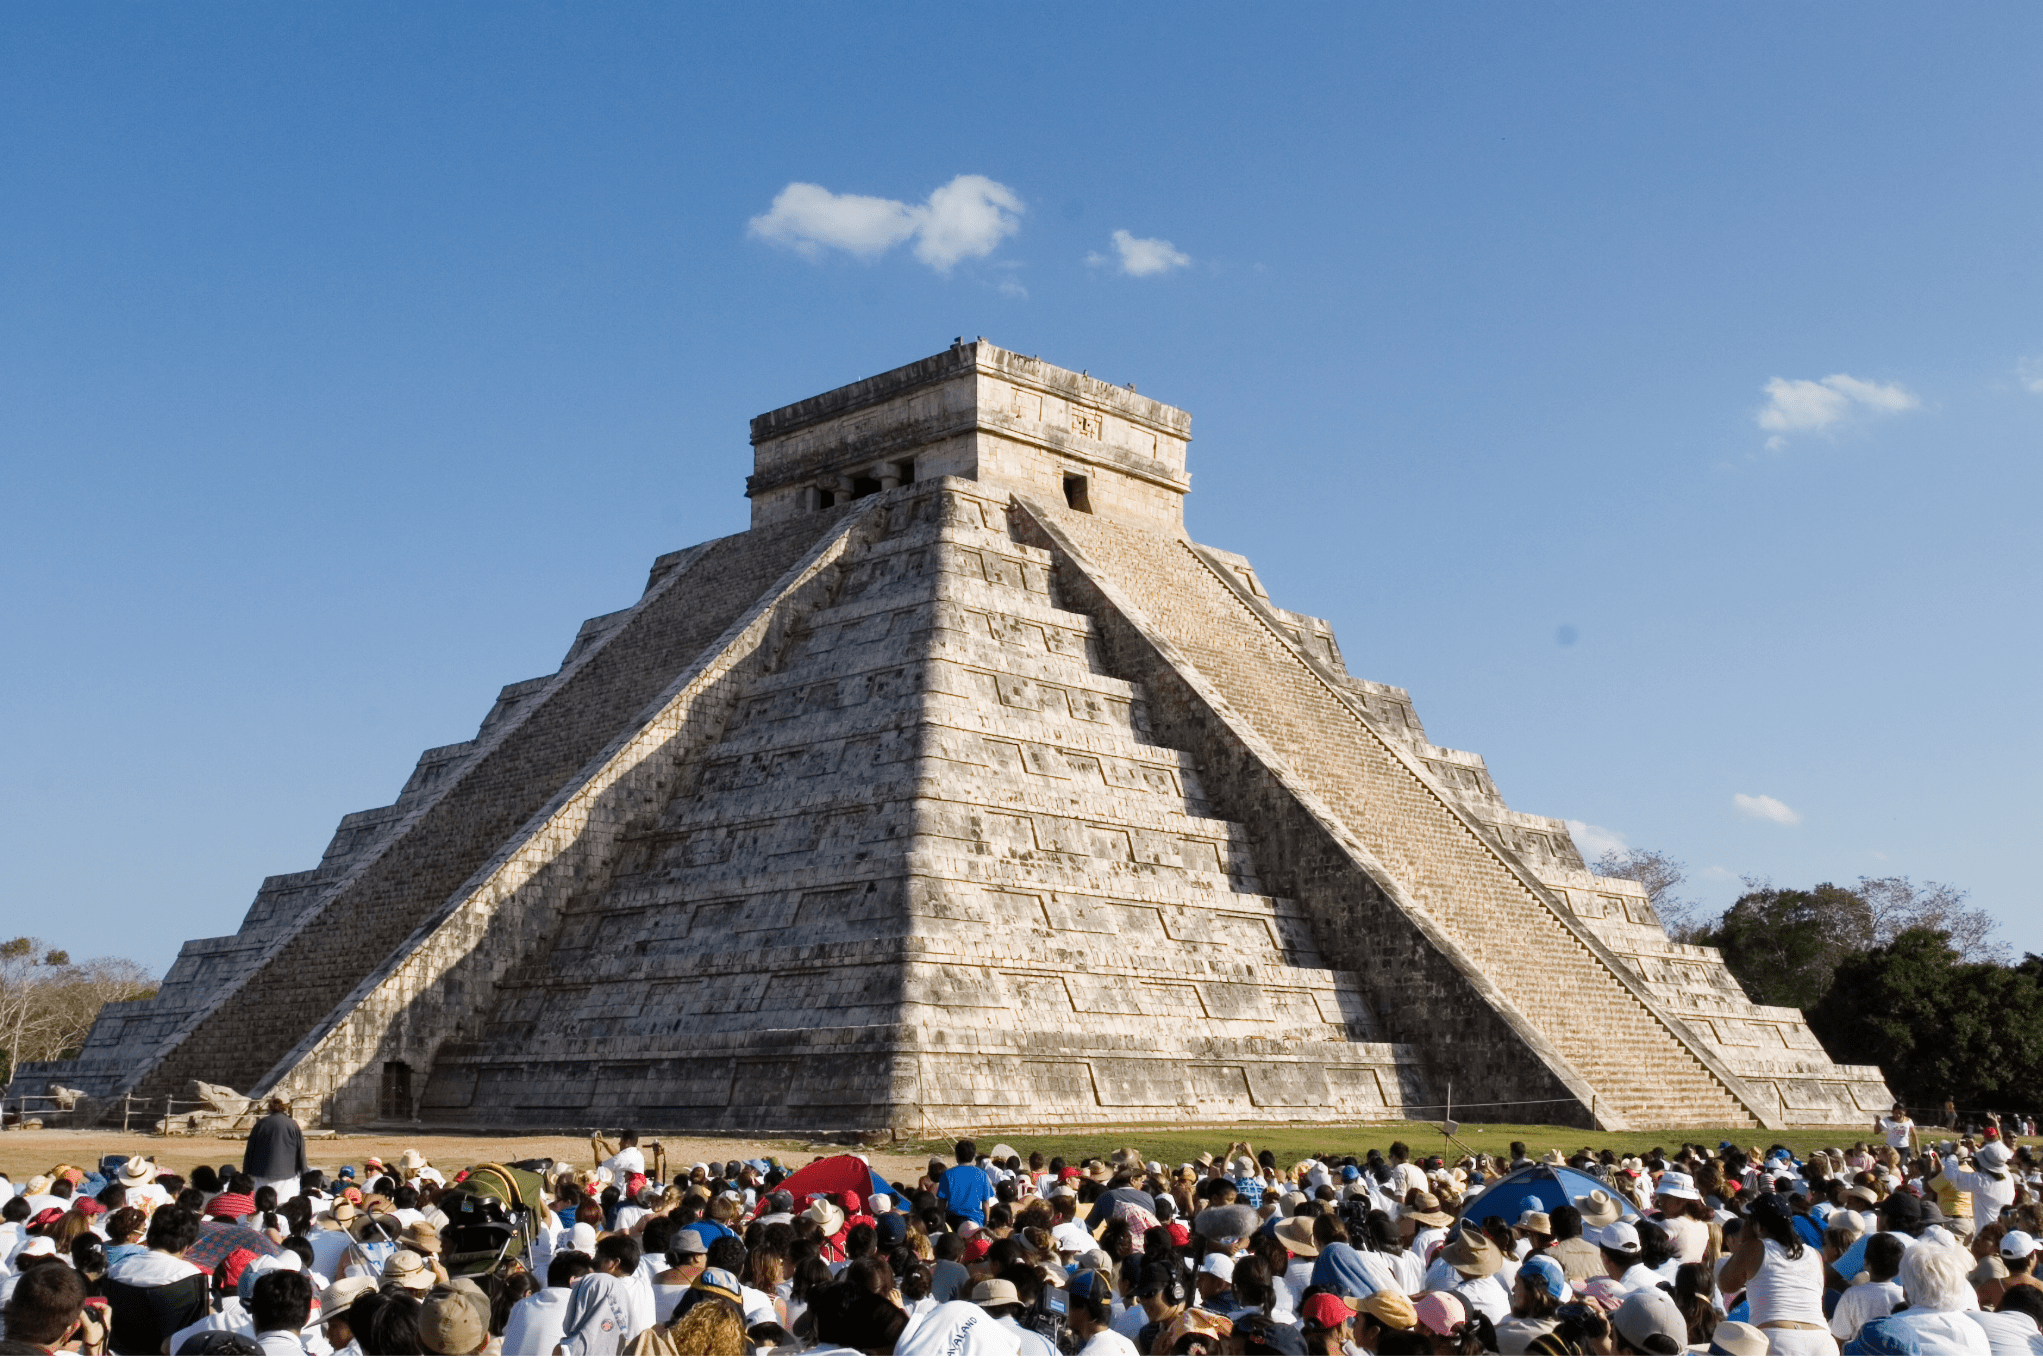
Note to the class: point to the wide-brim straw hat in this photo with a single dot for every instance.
(1472, 1253)
(1424, 1207)
(1598, 1209)
(138, 1171)
(1295, 1236)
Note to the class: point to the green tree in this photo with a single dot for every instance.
(1936, 1024)
(1783, 946)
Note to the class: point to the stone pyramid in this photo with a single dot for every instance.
(963, 790)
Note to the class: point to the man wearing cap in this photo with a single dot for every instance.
(275, 1154)
(1648, 1324)
(1091, 1316)
(1536, 1298)
(2018, 1252)
(1623, 1260)
(1991, 1187)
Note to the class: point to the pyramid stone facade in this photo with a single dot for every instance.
(963, 790)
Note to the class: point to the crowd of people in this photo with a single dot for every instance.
(1901, 1247)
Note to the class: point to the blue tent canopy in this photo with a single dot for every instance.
(1550, 1186)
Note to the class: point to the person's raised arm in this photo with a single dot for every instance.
(1746, 1259)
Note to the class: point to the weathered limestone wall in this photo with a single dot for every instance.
(1593, 1023)
(919, 881)
(379, 893)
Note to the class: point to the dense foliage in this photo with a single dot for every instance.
(1937, 1025)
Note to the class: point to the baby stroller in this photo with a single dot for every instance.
(493, 1217)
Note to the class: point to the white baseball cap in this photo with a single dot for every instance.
(1217, 1264)
(1618, 1236)
(1850, 1220)
(2019, 1245)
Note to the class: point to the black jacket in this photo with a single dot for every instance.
(276, 1149)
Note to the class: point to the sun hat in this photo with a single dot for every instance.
(1390, 1307)
(1219, 1265)
(138, 1170)
(825, 1215)
(1440, 1313)
(1617, 1237)
(1739, 1339)
(1992, 1157)
(2018, 1244)
(409, 1269)
(1423, 1206)
(1534, 1220)
(1865, 1192)
(1098, 1170)
(1472, 1253)
(451, 1325)
(1677, 1185)
(1598, 1208)
(335, 1298)
(992, 1293)
(1646, 1314)
(1295, 1236)
(36, 1246)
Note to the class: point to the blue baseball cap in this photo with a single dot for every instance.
(1548, 1272)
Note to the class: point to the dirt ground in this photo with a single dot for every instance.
(23, 1154)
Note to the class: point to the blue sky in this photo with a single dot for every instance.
(352, 355)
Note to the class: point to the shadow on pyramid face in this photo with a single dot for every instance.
(970, 794)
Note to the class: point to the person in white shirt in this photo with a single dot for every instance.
(626, 1160)
(1879, 1296)
(1092, 1299)
(170, 1236)
(1991, 1187)
(536, 1324)
(1898, 1130)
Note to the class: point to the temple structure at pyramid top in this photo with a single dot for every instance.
(962, 791)
(976, 412)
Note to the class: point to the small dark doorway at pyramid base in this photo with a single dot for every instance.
(396, 1099)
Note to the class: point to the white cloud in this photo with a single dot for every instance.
(1766, 808)
(1141, 255)
(1595, 841)
(2029, 369)
(968, 217)
(1814, 404)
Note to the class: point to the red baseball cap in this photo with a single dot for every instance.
(1328, 1310)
